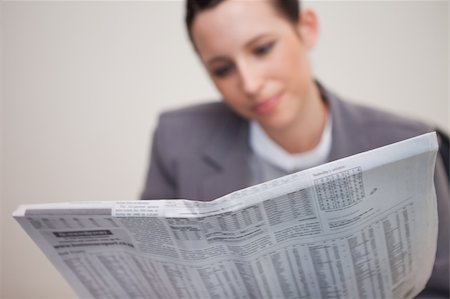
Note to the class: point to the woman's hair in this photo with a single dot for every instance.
(288, 9)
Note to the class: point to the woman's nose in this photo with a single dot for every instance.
(251, 79)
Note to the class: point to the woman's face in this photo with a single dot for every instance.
(257, 59)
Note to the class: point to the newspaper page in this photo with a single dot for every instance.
(360, 227)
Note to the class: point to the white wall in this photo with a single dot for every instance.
(83, 84)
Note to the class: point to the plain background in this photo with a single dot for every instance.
(83, 82)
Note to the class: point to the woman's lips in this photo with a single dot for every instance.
(268, 104)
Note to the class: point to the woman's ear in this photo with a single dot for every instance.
(308, 27)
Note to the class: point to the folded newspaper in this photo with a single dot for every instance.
(360, 227)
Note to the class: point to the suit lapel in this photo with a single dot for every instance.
(227, 156)
(348, 136)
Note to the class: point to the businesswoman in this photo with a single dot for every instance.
(274, 117)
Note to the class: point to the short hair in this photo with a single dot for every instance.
(288, 9)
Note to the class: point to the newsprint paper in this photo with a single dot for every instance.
(360, 227)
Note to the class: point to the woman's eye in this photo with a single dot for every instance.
(222, 71)
(263, 49)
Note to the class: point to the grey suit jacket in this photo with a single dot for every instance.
(201, 153)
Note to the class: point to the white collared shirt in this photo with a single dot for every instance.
(264, 147)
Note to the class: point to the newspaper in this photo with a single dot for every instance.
(360, 227)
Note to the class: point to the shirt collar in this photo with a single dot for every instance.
(270, 151)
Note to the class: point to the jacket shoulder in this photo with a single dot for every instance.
(386, 127)
(189, 130)
(194, 120)
(202, 112)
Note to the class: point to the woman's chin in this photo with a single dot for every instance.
(274, 122)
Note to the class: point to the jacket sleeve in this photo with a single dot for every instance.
(160, 183)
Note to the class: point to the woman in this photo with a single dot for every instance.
(275, 119)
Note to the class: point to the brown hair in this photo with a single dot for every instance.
(288, 9)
